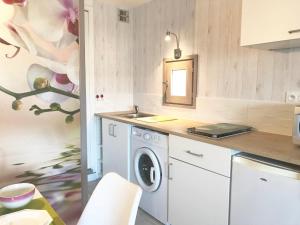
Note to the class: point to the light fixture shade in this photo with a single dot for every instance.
(177, 51)
(168, 36)
(6, 12)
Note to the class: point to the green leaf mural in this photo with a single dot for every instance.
(40, 100)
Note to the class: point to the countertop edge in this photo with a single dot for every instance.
(290, 155)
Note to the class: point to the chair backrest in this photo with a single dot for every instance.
(114, 201)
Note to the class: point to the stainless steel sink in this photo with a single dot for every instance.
(136, 115)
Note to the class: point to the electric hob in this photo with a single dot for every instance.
(219, 130)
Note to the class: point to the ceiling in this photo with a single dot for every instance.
(126, 3)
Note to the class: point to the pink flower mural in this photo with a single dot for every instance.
(52, 36)
(39, 76)
(16, 2)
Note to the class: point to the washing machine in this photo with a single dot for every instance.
(149, 169)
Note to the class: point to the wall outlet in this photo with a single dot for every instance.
(292, 97)
(99, 97)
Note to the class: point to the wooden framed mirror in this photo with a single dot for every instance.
(180, 82)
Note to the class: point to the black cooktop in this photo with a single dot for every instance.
(219, 130)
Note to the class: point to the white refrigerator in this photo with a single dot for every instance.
(264, 192)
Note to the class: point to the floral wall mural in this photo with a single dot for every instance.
(39, 96)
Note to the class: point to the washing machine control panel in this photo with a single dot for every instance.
(136, 133)
(148, 136)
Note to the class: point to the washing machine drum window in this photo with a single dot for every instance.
(147, 169)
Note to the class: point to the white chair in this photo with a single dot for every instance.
(115, 201)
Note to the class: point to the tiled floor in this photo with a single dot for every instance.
(144, 219)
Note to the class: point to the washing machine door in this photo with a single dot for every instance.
(147, 169)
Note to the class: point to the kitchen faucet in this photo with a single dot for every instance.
(136, 109)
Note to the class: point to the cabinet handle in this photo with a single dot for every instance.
(169, 171)
(110, 129)
(263, 179)
(195, 154)
(294, 31)
(114, 134)
(90, 171)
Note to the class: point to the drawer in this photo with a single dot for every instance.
(211, 157)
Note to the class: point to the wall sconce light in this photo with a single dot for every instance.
(177, 51)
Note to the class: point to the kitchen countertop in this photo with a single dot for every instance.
(273, 146)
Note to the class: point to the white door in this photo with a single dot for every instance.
(197, 196)
(93, 123)
(115, 142)
(147, 169)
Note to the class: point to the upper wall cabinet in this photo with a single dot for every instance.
(271, 24)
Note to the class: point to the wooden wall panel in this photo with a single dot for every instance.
(234, 84)
(211, 29)
(113, 59)
(151, 21)
(294, 69)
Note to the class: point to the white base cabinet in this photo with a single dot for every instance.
(197, 196)
(199, 184)
(115, 147)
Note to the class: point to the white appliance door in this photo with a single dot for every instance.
(147, 169)
(263, 194)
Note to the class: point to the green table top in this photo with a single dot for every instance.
(39, 204)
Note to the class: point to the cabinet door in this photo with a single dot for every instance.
(269, 21)
(197, 196)
(270, 193)
(115, 142)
